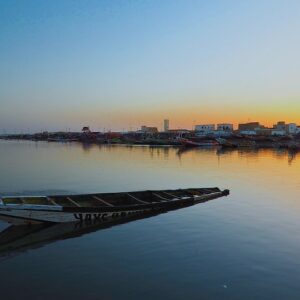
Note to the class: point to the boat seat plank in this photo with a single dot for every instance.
(35, 200)
(137, 199)
(103, 201)
(12, 200)
(161, 197)
(52, 201)
(71, 200)
(172, 195)
(195, 192)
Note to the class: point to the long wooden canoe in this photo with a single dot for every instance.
(105, 206)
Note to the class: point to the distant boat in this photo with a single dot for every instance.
(88, 207)
(64, 140)
(202, 143)
(226, 143)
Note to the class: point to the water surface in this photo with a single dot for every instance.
(245, 246)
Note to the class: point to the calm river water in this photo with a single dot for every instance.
(245, 246)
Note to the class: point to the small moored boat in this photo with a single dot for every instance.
(202, 143)
(88, 207)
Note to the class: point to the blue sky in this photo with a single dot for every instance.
(121, 64)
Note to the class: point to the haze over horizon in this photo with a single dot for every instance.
(121, 64)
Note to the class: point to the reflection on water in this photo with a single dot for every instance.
(245, 246)
(36, 168)
(16, 239)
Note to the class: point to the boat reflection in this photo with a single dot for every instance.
(17, 239)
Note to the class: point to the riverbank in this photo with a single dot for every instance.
(162, 139)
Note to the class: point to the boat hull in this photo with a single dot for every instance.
(30, 214)
(190, 143)
(33, 216)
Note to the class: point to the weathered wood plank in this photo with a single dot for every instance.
(52, 201)
(72, 201)
(102, 201)
(161, 197)
(137, 199)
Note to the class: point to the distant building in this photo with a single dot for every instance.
(278, 132)
(247, 132)
(225, 127)
(146, 129)
(270, 131)
(178, 131)
(265, 131)
(252, 126)
(205, 129)
(166, 125)
(291, 128)
(280, 125)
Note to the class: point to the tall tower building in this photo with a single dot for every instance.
(166, 125)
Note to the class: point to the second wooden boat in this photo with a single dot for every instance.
(202, 143)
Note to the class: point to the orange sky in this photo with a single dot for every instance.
(180, 116)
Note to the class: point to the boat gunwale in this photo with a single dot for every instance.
(151, 205)
(108, 193)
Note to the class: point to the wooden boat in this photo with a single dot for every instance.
(62, 140)
(78, 208)
(226, 143)
(203, 143)
(16, 240)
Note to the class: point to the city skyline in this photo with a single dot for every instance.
(122, 64)
(161, 127)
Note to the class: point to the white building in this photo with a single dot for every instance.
(225, 127)
(222, 133)
(291, 128)
(278, 132)
(205, 129)
(280, 125)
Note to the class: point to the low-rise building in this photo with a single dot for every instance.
(222, 133)
(205, 129)
(146, 129)
(247, 132)
(180, 132)
(278, 132)
(291, 128)
(264, 131)
(225, 127)
(280, 125)
(252, 126)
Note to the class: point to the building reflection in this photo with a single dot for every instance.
(168, 153)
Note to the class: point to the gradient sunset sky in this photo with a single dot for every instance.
(121, 64)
